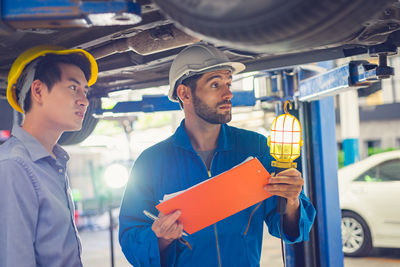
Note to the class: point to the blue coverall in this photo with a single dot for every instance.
(173, 165)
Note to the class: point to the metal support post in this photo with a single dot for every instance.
(349, 126)
(319, 117)
(111, 236)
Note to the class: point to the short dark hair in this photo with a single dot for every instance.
(48, 71)
(190, 82)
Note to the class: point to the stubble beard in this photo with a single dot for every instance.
(209, 114)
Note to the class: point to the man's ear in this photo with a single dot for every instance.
(184, 93)
(37, 91)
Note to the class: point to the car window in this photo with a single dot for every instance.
(389, 170)
(384, 172)
(369, 176)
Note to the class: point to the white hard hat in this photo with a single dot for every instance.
(198, 59)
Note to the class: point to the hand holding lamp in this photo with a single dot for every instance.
(285, 142)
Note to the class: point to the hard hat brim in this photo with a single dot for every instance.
(236, 67)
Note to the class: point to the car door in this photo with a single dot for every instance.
(379, 189)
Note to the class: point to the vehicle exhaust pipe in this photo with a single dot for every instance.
(147, 42)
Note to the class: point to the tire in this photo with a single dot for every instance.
(273, 26)
(356, 236)
(88, 125)
(6, 118)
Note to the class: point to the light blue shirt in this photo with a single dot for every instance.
(37, 213)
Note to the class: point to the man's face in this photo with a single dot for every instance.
(212, 97)
(65, 105)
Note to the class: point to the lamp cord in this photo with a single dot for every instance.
(283, 250)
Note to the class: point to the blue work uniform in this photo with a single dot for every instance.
(37, 213)
(173, 165)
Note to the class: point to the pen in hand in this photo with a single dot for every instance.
(154, 217)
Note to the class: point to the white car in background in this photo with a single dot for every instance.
(369, 193)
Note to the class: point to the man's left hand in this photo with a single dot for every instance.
(287, 184)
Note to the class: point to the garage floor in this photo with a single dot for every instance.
(96, 252)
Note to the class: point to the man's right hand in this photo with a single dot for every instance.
(167, 228)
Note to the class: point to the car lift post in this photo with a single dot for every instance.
(320, 162)
(314, 98)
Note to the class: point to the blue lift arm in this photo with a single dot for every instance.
(57, 13)
(154, 103)
(354, 75)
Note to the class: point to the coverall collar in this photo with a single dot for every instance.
(180, 138)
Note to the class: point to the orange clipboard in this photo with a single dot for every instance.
(220, 196)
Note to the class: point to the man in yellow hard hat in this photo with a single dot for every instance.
(49, 85)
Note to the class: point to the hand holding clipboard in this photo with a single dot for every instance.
(220, 196)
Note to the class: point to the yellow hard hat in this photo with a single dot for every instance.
(33, 53)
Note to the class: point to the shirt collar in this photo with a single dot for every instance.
(60, 153)
(225, 140)
(35, 149)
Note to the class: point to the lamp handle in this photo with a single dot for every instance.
(281, 206)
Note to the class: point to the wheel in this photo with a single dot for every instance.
(356, 236)
(273, 26)
(88, 125)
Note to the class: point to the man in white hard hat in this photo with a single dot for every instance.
(204, 146)
(49, 85)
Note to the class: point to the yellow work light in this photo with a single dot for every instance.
(285, 140)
